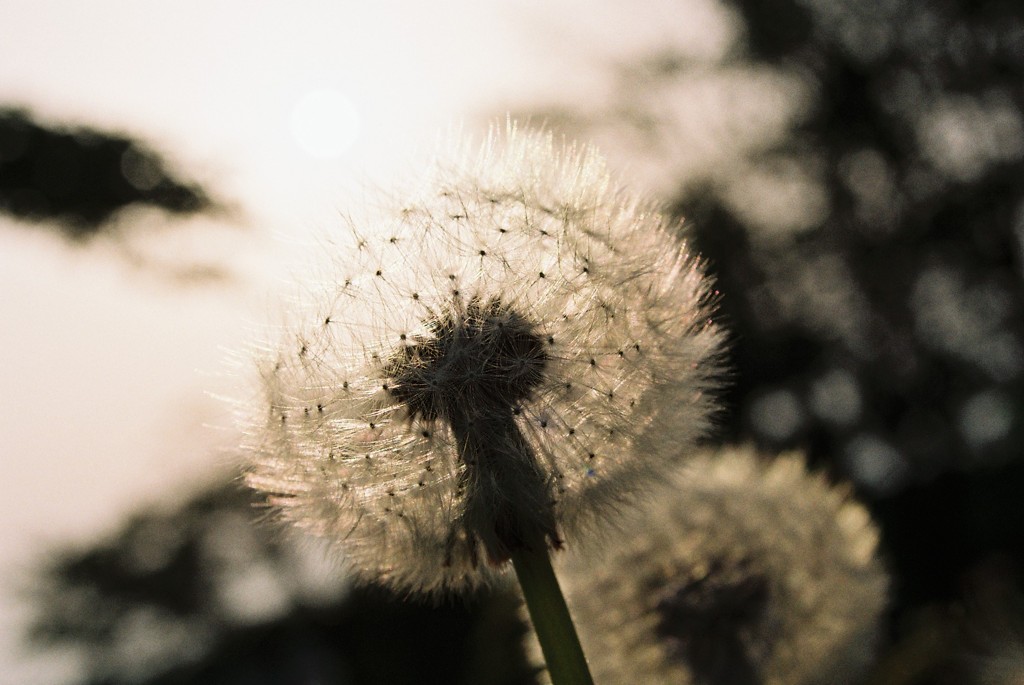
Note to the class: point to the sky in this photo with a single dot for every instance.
(116, 366)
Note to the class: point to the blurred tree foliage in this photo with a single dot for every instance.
(80, 176)
(888, 335)
(209, 594)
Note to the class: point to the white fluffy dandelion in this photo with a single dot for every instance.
(498, 362)
(742, 573)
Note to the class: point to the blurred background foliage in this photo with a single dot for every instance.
(79, 177)
(869, 260)
(203, 594)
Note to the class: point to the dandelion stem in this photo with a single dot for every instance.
(550, 615)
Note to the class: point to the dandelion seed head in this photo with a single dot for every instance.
(506, 354)
(742, 572)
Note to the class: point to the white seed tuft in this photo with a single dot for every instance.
(503, 359)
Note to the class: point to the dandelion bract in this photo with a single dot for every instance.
(500, 358)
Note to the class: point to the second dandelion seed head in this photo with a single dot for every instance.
(744, 569)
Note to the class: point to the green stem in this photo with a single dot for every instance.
(551, 621)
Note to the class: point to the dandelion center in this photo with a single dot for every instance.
(477, 358)
(705, 619)
(478, 361)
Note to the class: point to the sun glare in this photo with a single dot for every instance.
(324, 123)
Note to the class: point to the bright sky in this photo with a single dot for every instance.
(220, 85)
(109, 367)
